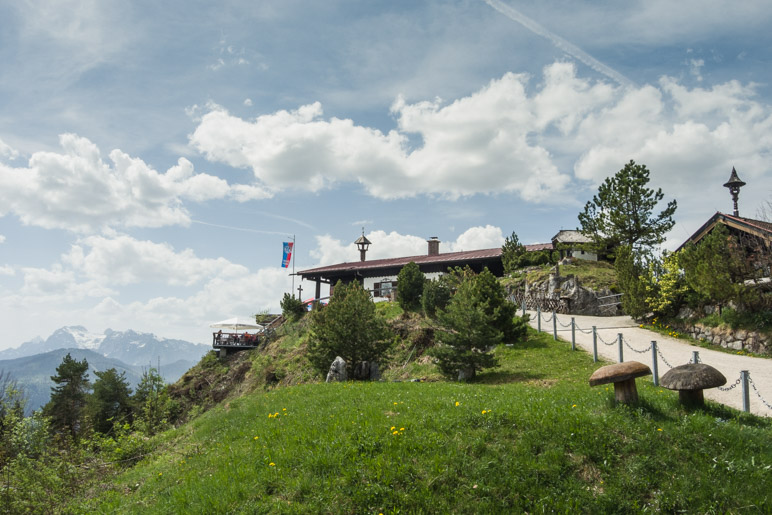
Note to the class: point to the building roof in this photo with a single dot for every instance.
(758, 228)
(571, 236)
(448, 258)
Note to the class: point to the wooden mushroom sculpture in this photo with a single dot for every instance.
(690, 380)
(623, 376)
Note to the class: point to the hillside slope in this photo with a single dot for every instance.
(529, 436)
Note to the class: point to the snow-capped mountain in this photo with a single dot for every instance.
(128, 346)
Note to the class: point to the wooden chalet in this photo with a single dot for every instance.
(379, 276)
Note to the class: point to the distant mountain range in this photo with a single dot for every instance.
(34, 362)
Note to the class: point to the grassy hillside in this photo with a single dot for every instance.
(528, 436)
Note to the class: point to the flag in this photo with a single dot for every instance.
(285, 261)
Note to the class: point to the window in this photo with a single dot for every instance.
(384, 288)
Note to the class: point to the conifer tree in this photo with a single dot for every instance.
(622, 213)
(68, 397)
(410, 286)
(347, 327)
(110, 401)
(477, 318)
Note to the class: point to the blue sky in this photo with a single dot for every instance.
(154, 155)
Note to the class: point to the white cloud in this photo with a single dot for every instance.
(7, 151)
(389, 245)
(476, 238)
(508, 138)
(477, 144)
(2, 238)
(123, 260)
(77, 190)
(7, 270)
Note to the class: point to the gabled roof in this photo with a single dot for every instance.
(758, 228)
(571, 236)
(448, 259)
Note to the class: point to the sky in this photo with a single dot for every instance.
(155, 155)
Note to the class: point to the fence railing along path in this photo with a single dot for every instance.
(635, 344)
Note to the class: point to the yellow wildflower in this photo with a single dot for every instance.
(272, 464)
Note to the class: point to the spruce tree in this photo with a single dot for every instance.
(110, 401)
(477, 318)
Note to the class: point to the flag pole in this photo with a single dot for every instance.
(293, 265)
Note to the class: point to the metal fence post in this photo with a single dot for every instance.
(573, 334)
(621, 356)
(654, 362)
(746, 393)
(695, 356)
(538, 319)
(554, 326)
(523, 306)
(594, 344)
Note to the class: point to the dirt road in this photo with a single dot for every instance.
(672, 352)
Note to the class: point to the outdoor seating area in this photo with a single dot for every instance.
(221, 339)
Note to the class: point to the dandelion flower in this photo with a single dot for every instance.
(272, 464)
(457, 403)
(255, 438)
(573, 406)
(484, 412)
(659, 429)
(393, 428)
(401, 428)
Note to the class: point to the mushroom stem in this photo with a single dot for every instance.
(691, 397)
(625, 391)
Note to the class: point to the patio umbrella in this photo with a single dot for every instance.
(237, 324)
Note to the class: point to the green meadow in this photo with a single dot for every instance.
(529, 436)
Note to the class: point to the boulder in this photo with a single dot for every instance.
(337, 370)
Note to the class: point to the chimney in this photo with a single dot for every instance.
(434, 246)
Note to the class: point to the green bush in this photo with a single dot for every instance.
(436, 296)
(410, 286)
(291, 307)
(347, 327)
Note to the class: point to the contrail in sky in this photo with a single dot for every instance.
(567, 47)
(244, 229)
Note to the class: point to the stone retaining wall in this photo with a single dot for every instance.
(731, 339)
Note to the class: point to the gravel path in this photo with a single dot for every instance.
(675, 352)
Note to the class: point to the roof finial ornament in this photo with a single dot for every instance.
(362, 244)
(734, 184)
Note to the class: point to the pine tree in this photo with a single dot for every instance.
(410, 287)
(68, 397)
(622, 213)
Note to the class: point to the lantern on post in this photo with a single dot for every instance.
(362, 244)
(734, 184)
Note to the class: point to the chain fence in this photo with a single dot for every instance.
(749, 384)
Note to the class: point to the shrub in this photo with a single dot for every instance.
(410, 285)
(292, 308)
(347, 327)
(436, 296)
